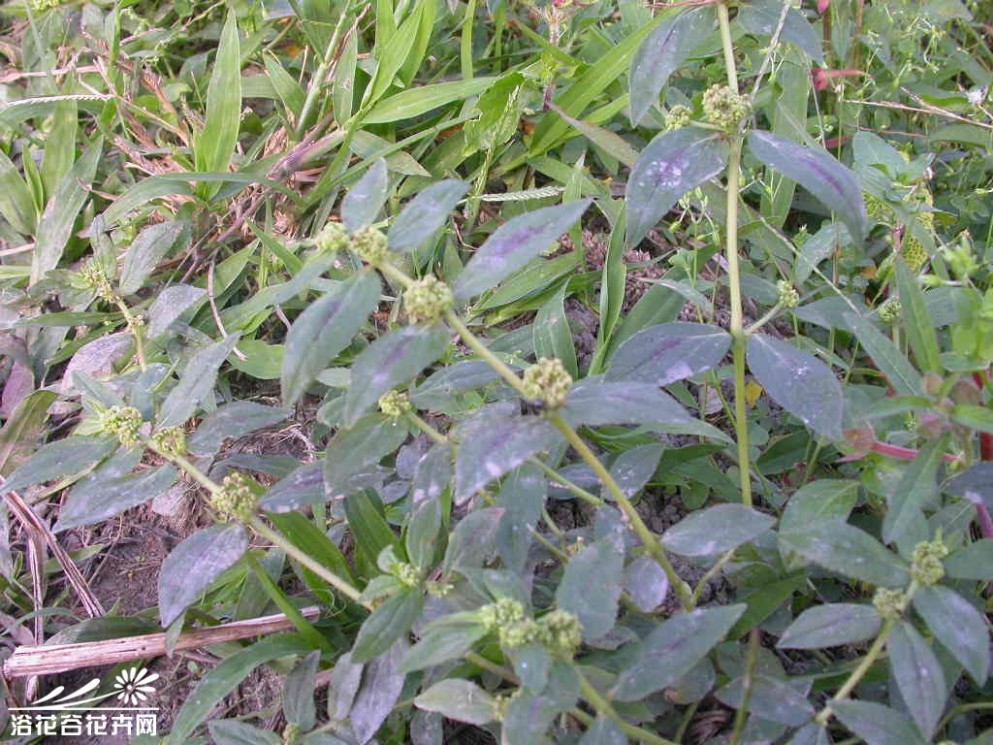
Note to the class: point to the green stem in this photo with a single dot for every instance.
(859, 672)
(646, 536)
(180, 460)
(604, 708)
(711, 573)
(473, 342)
(738, 338)
(769, 315)
(305, 627)
(741, 716)
(139, 346)
(341, 585)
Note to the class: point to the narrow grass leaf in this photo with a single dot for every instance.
(216, 143)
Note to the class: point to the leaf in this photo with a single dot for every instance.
(974, 562)
(831, 626)
(392, 359)
(606, 139)
(905, 380)
(324, 329)
(232, 732)
(668, 352)
(387, 623)
(593, 402)
(514, 244)
(633, 468)
(17, 205)
(825, 499)
(191, 568)
(672, 649)
(799, 382)
(440, 388)
(298, 692)
(233, 420)
(603, 732)
(23, 429)
(474, 540)
(432, 475)
(917, 484)
(761, 18)
(769, 698)
(527, 718)
(522, 497)
(59, 459)
(817, 172)
(366, 198)
(916, 320)
(958, 626)
(381, 687)
(98, 500)
(196, 383)
(422, 533)
(661, 54)
(646, 583)
(848, 551)
(227, 676)
(918, 675)
(169, 305)
(372, 533)
(672, 164)
(422, 99)
(146, 251)
(446, 639)
(552, 335)
(716, 530)
(425, 214)
(490, 446)
(460, 700)
(216, 143)
(55, 225)
(591, 586)
(877, 724)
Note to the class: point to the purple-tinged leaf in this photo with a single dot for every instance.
(190, 569)
(425, 214)
(919, 676)
(366, 198)
(817, 172)
(514, 244)
(668, 352)
(671, 165)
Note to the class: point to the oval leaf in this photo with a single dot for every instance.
(194, 564)
(761, 18)
(843, 548)
(959, 627)
(877, 724)
(799, 382)
(918, 675)
(595, 402)
(196, 383)
(105, 498)
(668, 352)
(831, 626)
(662, 53)
(716, 530)
(145, 253)
(389, 361)
(323, 330)
(460, 700)
(671, 165)
(673, 649)
(386, 624)
(492, 446)
(366, 198)
(514, 244)
(591, 586)
(422, 217)
(817, 172)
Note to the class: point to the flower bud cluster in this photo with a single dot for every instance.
(170, 441)
(559, 631)
(123, 422)
(788, 295)
(407, 574)
(370, 245)
(926, 567)
(427, 299)
(889, 604)
(678, 117)
(93, 276)
(332, 239)
(725, 108)
(395, 403)
(548, 381)
(503, 612)
(889, 312)
(236, 500)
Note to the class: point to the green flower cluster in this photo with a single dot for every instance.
(370, 245)
(332, 239)
(678, 117)
(407, 574)
(427, 299)
(170, 441)
(889, 312)
(93, 276)
(503, 612)
(548, 381)
(724, 108)
(236, 500)
(788, 295)
(39, 6)
(889, 604)
(395, 403)
(927, 567)
(123, 422)
(558, 631)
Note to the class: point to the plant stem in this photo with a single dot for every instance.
(604, 708)
(341, 585)
(769, 315)
(738, 337)
(637, 524)
(473, 342)
(710, 574)
(859, 672)
(180, 460)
